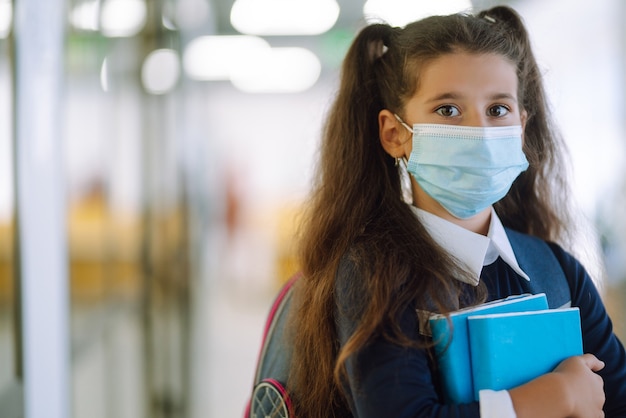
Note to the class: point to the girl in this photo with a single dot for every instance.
(458, 100)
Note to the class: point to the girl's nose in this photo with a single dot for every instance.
(475, 118)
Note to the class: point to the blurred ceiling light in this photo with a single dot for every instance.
(6, 15)
(122, 18)
(104, 75)
(284, 17)
(190, 14)
(215, 57)
(278, 70)
(167, 23)
(160, 71)
(85, 15)
(401, 12)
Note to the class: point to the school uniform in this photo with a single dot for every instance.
(385, 380)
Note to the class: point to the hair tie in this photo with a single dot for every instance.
(489, 19)
(376, 50)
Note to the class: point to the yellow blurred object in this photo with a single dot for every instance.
(87, 237)
(104, 249)
(7, 269)
(286, 252)
(613, 298)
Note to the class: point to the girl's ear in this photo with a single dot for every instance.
(393, 136)
(523, 119)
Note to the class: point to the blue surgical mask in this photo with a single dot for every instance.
(466, 169)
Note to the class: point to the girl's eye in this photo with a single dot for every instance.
(498, 111)
(448, 111)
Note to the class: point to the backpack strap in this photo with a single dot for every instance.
(270, 396)
(275, 355)
(536, 258)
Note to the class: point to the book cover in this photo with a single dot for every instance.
(511, 349)
(452, 345)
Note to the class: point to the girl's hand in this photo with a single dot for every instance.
(572, 390)
(585, 388)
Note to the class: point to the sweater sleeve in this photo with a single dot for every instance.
(598, 336)
(385, 379)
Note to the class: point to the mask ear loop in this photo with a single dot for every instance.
(403, 123)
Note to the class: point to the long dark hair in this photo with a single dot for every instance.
(356, 210)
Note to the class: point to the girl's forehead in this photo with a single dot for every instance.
(462, 71)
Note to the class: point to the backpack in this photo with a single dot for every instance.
(269, 394)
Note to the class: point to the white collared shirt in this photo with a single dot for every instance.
(476, 251)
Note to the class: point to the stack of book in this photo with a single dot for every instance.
(502, 344)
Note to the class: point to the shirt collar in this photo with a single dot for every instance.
(475, 250)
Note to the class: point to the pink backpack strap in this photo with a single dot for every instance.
(270, 396)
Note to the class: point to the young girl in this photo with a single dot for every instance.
(457, 101)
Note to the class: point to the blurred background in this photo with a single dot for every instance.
(153, 154)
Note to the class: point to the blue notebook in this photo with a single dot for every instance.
(509, 350)
(452, 344)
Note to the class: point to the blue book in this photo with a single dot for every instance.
(509, 350)
(452, 345)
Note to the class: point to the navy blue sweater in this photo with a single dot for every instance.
(385, 380)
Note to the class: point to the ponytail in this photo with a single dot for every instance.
(354, 178)
(360, 97)
(351, 153)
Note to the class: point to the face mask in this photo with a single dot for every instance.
(466, 169)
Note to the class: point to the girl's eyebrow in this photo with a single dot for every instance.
(501, 96)
(445, 96)
(456, 96)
